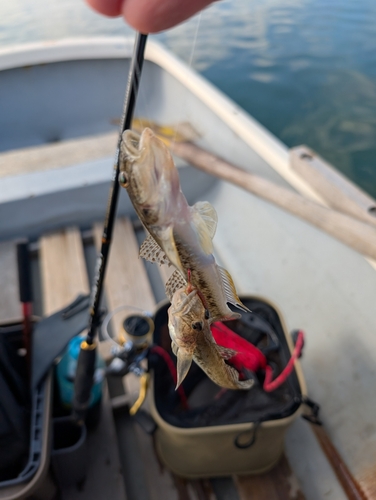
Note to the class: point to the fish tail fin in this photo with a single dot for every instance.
(183, 365)
(230, 290)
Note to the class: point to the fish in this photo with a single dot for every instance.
(178, 234)
(191, 339)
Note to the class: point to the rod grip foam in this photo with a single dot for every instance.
(83, 382)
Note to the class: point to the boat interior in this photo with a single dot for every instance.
(61, 108)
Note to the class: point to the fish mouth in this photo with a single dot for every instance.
(142, 168)
(136, 143)
(132, 142)
(185, 302)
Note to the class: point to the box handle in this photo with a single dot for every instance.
(251, 442)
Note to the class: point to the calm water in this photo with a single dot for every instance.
(306, 69)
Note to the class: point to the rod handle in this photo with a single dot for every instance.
(83, 382)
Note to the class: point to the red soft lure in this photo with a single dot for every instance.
(250, 358)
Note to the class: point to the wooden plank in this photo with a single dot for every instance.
(278, 484)
(156, 475)
(126, 279)
(57, 155)
(10, 308)
(63, 269)
(165, 272)
(224, 488)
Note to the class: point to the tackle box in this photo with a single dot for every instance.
(29, 477)
(224, 432)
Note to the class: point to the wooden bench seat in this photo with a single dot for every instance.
(57, 154)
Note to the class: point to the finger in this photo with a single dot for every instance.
(151, 16)
(111, 8)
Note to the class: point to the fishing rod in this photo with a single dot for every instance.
(86, 359)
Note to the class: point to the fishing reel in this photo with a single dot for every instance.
(133, 340)
(131, 348)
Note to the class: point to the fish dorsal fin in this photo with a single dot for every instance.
(174, 282)
(203, 233)
(152, 252)
(208, 214)
(225, 352)
(230, 290)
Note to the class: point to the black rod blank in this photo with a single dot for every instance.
(86, 359)
(129, 105)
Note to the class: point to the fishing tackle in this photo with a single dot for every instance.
(250, 358)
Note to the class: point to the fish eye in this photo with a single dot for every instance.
(123, 180)
(197, 325)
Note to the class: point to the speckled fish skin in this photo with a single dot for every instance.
(152, 181)
(192, 339)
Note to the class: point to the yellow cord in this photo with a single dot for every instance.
(144, 383)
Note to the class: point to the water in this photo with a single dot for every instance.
(306, 69)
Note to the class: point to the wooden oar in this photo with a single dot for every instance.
(337, 191)
(350, 485)
(358, 235)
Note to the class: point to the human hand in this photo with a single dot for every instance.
(150, 16)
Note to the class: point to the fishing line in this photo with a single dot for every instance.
(142, 95)
(190, 62)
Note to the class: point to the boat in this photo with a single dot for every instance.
(60, 107)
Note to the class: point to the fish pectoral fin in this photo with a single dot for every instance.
(208, 215)
(183, 365)
(230, 290)
(225, 352)
(167, 240)
(174, 348)
(152, 252)
(203, 233)
(174, 282)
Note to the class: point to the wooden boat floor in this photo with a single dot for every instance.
(121, 462)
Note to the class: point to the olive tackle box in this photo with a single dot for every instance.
(224, 432)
